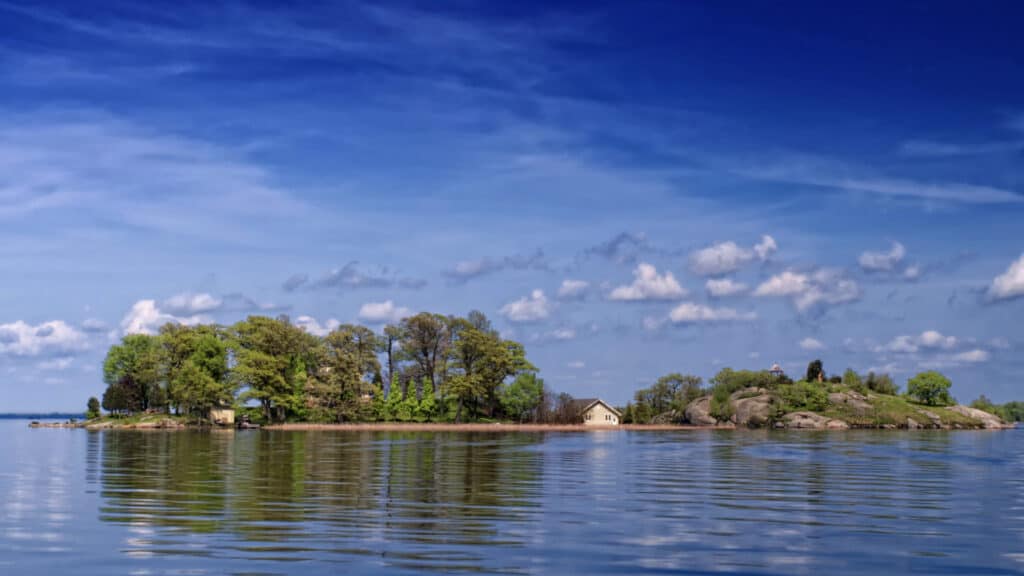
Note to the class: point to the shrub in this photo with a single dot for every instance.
(804, 396)
(881, 383)
(92, 408)
(720, 407)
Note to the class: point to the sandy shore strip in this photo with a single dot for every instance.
(476, 427)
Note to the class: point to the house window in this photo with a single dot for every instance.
(588, 415)
(607, 416)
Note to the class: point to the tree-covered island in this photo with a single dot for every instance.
(431, 368)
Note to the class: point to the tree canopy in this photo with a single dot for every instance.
(930, 388)
(439, 367)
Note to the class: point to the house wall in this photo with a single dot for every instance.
(223, 416)
(600, 416)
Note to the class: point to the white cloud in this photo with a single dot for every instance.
(652, 324)
(787, 283)
(190, 303)
(527, 309)
(929, 339)
(912, 272)
(1009, 284)
(649, 285)
(934, 339)
(573, 289)
(382, 312)
(721, 288)
(563, 334)
(972, 356)
(53, 337)
(577, 365)
(883, 261)
(811, 344)
(94, 325)
(57, 364)
(719, 259)
(725, 257)
(766, 247)
(901, 344)
(312, 325)
(811, 290)
(690, 313)
(145, 317)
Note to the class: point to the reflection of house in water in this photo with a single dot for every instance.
(596, 412)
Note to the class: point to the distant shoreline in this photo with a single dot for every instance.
(444, 427)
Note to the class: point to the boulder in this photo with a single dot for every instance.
(834, 424)
(853, 400)
(750, 410)
(987, 419)
(810, 420)
(913, 424)
(698, 412)
(936, 420)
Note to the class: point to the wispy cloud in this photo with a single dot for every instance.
(120, 171)
(469, 269)
(623, 248)
(352, 276)
(816, 172)
(936, 149)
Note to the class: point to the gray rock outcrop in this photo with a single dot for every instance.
(988, 420)
(698, 412)
(813, 421)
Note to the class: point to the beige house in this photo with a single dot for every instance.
(222, 415)
(597, 412)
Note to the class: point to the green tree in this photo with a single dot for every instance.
(408, 407)
(1013, 411)
(92, 408)
(394, 398)
(425, 340)
(852, 379)
(815, 372)
(481, 362)
(264, 377)
(427, 409)
(272, 360)
(200, 382)
(133, 367)
(521, 398)
(931, 388)
(881, 383)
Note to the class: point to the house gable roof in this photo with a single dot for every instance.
(582, 405)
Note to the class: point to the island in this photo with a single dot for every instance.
(431, 371)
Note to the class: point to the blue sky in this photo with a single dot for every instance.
(629, 189)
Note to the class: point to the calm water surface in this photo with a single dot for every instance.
(691, 502)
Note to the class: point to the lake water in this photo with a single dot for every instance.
(694, 502)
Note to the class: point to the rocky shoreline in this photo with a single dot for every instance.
(762, 408)
(750, 408)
